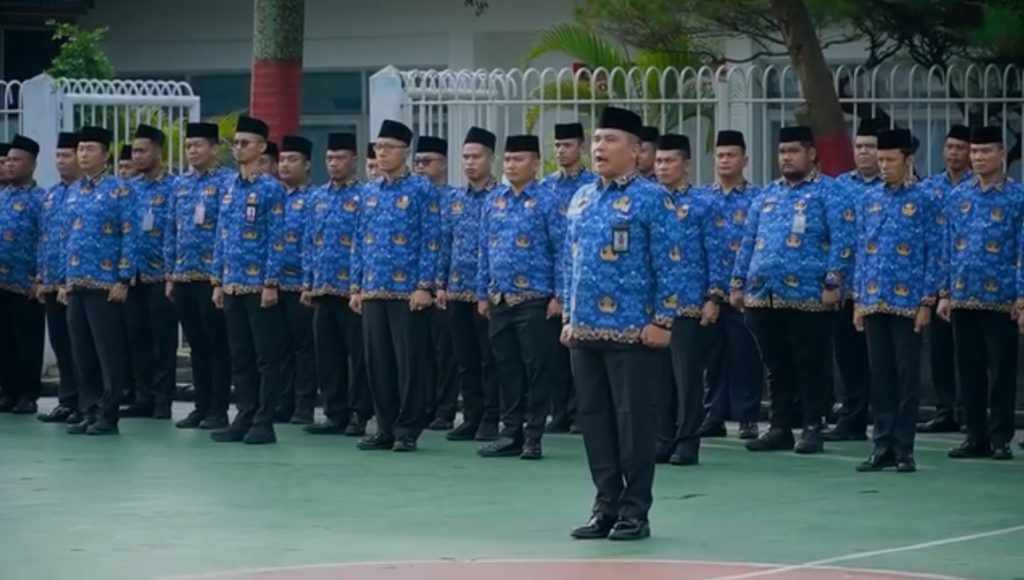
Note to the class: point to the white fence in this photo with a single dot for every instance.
(755, 99)
(10, 112)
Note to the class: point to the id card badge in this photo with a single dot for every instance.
(620, 239)
(199, 215)
(147, 221)
(799, 223)
(250, 214)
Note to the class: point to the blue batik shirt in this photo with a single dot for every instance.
(248, 255)
(296, 216)
(984, 245)
(729, 209)
(565, 185)
(152, 219)
(192, 232)
(897, 266)
(942, 183)
(799, 240)
(855, 185)
(102, 241)
(625, 268)
(398, 247)
(53, 235)
(521, 246)
(460, 241)
(696, 236)
(330, 239)
(19, 237)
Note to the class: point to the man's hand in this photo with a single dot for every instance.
(36, 293)
(218, 297)
(169, 290)
(268, 298)
(923, 319)
(830, 297)
(420, 300)
(62, 295)
(858, 319)
(118, 293)
(944, 309)
(483, 308)
(306, 298)
(709, 314)
(655, 336)
(441, 299)
(1020, 321)
(736, 300)
(566, 336)
(355, 302)
(554, 308)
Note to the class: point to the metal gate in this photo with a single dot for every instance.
(10, 112)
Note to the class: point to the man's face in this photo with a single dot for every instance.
(645, 161)
(92, 157)
(200, 152)
(391, 154)
(20, 165)
(145, 155)
(795, 160)
(67, 164)
(893, 166)
(126, 169)
(372, 169)
(476, 161)
(956, 154)
(433, 166)
(341, 164)
(671, 167)
(986, 158)
(865, 148)
(293, 168)
(568, 152)
(248, 147)
(730, 161)
(614, 152)
(521, 167)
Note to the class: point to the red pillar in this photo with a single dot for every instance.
(276, 92)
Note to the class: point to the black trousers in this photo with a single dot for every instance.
(60, 341)
(258, 338)
(795, 348)
(523, 355)
(153, 339)
(98, 328)
(986, 356)
(207, 337)
(300, 384)
(851, 353)
(474, 358)
(735, 375)
(398, 351)
(617, 398)
(446, 385)
(682, 409)
(340, 361)
(563, 398)
(942, 358)
(894, 350)
(22, 337)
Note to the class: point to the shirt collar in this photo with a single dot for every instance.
(93, 181)
(489, 186)
(527, 191)
(405, 174)
(563, 174)
(27, 187)
(344, 184)
(212, 170)
(620, 182)
(740, 188)
(855, 174)
(299, 189)
(813, 177)
(997, 185)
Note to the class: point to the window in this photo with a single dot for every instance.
(332, 93)
(26, 52)
(317, 133)
(222, 94)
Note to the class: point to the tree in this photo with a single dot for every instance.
(277, 64)
(80, 55)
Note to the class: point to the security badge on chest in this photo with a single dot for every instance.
(199, 214)
(147, 220)
(620, 239)
(250, 208)
(800, 219)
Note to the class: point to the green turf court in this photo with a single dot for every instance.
(157, 502)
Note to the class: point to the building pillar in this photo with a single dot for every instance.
(277, 46)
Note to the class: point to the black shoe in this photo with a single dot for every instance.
(501, 447)
(214, 422)
(939, 425)
(102, 427)
(464, 432)
(574, 429)
(59, 414)
(325, 427)
(440, 425)
(162, 413)
(377, 442)
(405, 445)
(137, 411)
(906, 464)
(260, 435)
(810, 441)
(558, 425)
(302, 418)
(1001, 452)
(1020, 444)
(232, 434)
(597, 528)
(74, 417)
(629, 529)
(191, 422)
(971, 450)
(878, 460)
(663, 454)
(7, 404)
(685, 454)
(487, 432)
(82, 426)
(532, 450)
(843, 433)
(748, 430)
(772, 440)
(282, 415)
(25, 407)
(712, 429)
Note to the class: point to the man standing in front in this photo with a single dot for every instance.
(522, 237)
(621, 300)
(395, 267)
(796, 255)
(247, 263)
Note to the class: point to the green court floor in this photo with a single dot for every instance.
(157, 502)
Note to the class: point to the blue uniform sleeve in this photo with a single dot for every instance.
(308, 248)
(218, 242)
(1019, 195)
(664, 234)
(430, 233)
(746, 253)
(483, 270)
(934, 236)
(356, 256)
(127, 200)
(942, 222)
(715, 244)
(858, 247)
(171, 228)
(444, 259)
(556, 224)
(841, 220)
(275, 202)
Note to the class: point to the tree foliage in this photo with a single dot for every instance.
(80, 55)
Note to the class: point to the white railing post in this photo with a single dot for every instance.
(387, 98)
(40, 105)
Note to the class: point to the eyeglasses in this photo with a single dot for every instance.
(424, 160)
(386, 147)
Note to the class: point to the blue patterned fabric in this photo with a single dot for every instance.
(729, 210)
(102, 241)
(53, 234)
(461, 215)
(398, 247)
(626, 266)
(19, 237)
(296, 217)
(799, 239)
(855, 186)
(898, 251)
(941, 183)
(565, 185)
(152, 218)
(330, 239)
(695, 238)
(192, 232)
(522, 248)
(984, 246)
(249, 250)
